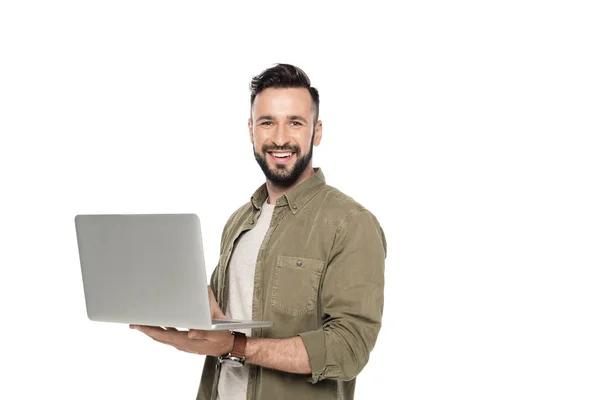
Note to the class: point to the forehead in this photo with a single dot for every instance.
(284, 101)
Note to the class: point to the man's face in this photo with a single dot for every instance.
(281, 130)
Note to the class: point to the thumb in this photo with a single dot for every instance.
(217, 313)
(215, 310)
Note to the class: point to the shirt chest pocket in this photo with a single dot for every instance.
(296, 284)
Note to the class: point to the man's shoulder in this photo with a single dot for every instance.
(336, 206)
(346, 213)
(336, 198)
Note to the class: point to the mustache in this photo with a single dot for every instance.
(293, 149)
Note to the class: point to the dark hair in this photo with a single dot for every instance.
(283, 76)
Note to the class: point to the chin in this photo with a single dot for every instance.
(279, 167)
(280, 175)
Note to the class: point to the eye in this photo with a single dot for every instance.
(296, 123)
(267, 123)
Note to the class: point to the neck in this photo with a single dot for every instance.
(276, 192)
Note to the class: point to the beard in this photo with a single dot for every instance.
(280, 176)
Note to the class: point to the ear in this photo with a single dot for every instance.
(250, 130)
(318, 132)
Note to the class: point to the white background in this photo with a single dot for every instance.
(470, 129)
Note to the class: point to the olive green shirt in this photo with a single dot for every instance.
(320, 275)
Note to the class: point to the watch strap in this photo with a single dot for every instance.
(239, 345)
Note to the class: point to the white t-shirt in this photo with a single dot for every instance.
(233, 382)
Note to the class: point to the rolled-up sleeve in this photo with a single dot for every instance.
(351, 299)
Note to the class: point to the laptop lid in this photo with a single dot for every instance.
(145, 269)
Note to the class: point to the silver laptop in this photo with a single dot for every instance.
(147, 269)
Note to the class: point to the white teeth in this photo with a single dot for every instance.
(281, 155)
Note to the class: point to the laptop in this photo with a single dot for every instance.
(147, 269)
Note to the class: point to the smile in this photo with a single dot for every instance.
(281, 157)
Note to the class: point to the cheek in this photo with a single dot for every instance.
(259, 138)
(257, 142)
(305, 144)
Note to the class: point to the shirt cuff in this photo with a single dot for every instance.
(314, 341)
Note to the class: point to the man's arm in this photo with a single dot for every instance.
(351, 299)
(287, 355)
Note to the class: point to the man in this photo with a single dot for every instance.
(300, 253)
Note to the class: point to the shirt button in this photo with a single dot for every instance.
(252, 222)
(299, 263)
(295, 207)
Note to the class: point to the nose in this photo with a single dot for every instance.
(281, 135)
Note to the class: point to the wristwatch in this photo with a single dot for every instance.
(237, 357)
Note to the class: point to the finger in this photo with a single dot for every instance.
(168, 328)
(161, 341)
(158, 333)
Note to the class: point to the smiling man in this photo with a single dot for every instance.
(300, 253)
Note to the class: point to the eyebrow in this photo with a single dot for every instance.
(265, 118)
(297, 117)
(290, 117)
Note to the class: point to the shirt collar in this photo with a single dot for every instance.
(295, 198)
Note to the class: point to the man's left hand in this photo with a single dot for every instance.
(212, 343)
